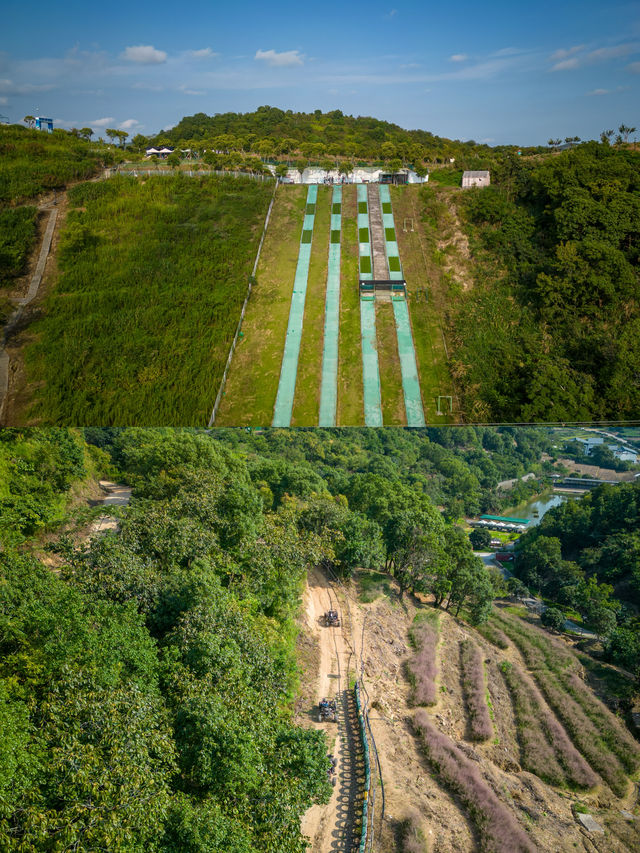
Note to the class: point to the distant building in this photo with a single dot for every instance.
(475, 179)
(44, 124)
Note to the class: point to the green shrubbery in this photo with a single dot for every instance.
(32, 162)
(17, 235)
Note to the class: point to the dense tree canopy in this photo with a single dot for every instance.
(550, 332)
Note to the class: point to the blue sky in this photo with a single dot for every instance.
(499, 72)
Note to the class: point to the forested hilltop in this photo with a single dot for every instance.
(550, 329)
(147, 681)
(270, 132)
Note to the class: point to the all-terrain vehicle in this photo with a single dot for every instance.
(331, 619)
(327, 710)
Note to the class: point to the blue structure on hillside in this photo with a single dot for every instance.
(44, 124)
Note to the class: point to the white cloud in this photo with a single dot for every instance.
(144, 54)
(599, 92)
(129, 124)
(458, 57)
(564, 53)
(578, 56)
(102, 122)
(634, 67)
(285, 59)
(392, 13)
(566, 64)
(4, 101)
(205, 53)
(147, 87)
(11, 88)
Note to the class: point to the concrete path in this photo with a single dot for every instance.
(370, 366)
(329, 382)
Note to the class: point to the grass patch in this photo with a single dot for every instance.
(427, 315)
(255, 370)
(152, 278)
(365, 264)
(386, 207)
(372, 585)
(335, 236)
(362, 207)
(350, 392)
(336, 207)
(390, 235)
(306, 401)
(18, 228)
(34, 162)
(363, 235)
(307, 234)
(310, 209)
(393, 411)
(394, 264)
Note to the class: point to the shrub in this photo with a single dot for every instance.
(498, 828)
(475, 691)
(17, 236)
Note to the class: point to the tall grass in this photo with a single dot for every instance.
(596, 733)
(494, 635)
(411, 835)
(422, 666)
(498, 828)
(546, 748)
(153, 276)
(475, 690)
(33, 161)
(17, 236)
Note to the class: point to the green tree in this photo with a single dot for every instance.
(480, 539)
(553, 618)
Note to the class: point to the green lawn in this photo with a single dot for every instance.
(137, 329)
(252, 384)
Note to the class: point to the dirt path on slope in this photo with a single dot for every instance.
(332, 827)
(116, 495)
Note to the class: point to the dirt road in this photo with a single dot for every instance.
(334, 827)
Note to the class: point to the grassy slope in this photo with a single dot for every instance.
(393, 411)
(426, 316)
(252, 384)
(153, 276)
(306, 402)
(350, 391)
(33, 162)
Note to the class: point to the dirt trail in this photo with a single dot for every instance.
(331, 827)
(116, 495)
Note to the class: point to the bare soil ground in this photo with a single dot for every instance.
(410, 785)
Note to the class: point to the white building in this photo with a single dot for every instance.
(475, 179)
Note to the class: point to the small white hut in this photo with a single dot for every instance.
(475, 179)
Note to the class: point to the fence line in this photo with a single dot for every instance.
(191, 173)
(225, 373)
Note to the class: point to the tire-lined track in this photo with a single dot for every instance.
(338, 825)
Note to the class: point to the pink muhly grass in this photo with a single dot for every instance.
(612, 731)
(537, 755)
(583, 733)
(475, 690)
(422, 665)
(498, 827)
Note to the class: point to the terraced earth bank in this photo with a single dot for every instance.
(461, 773)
